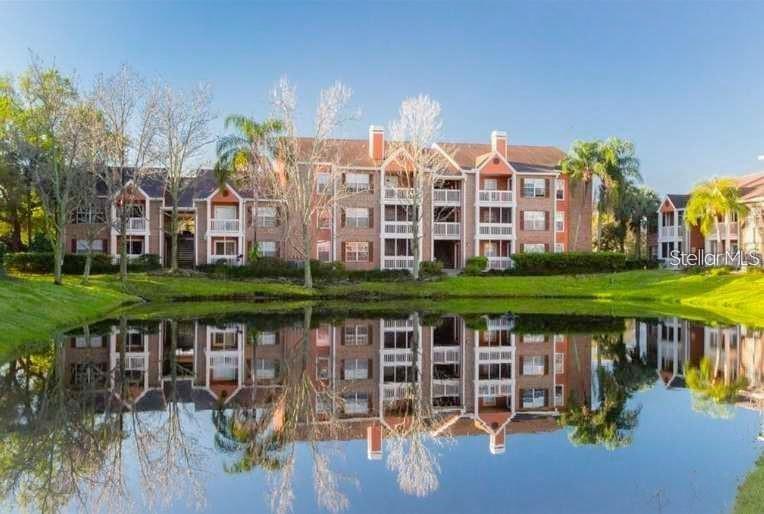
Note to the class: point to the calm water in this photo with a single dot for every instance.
(407, 413)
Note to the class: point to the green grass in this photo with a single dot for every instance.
(750, 496)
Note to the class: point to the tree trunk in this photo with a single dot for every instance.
(88, 263)
(638, 243)
(174, 237)
(123, 246)
(306, 258)
(585, 185)
(416, 251)
(58, 257)
(29, 217)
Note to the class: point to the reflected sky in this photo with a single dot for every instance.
(448, 414)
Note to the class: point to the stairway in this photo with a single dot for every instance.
(186, 253)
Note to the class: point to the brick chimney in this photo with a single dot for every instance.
(374, 441)
(376, 142)
(499, 142)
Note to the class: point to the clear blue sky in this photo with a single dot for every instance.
(683, 80)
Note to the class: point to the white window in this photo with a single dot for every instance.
(534, 248)
(322, 368)
(490, 184)
(559, 188)
(356, 217)
(225, 212)
(559, 221)
(356, 403)
(356, 335)
(533, 365)
(559, 395)
(95, 246)
(135, 246)
(491, 249)
(356, 251)
(225, 247)
(323, 335)
(266, 217)
(265, 369)
(559, 363)
(533, 338)
(357, 182)
(534, 220)
(266, 338)
(534, 188)
(356, 369)
(89, 215)
(534, 398)
(323, 182)
(325, 221)
(324, 249)
(559, 247)
(267, 248)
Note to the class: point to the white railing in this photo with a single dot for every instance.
(672, 231)
(135, 362)
(136, 224)
(499, 263)
(494, 388)
(396, 391)
(356, 406)
(213, 258)
(397, 356)
(266, 338)
(446, 355)
(724, 230)
(534, 338)
(446, 229)
(495, 354)
(500, 323)
(399, 194)
(406, 324)
(495, 229)
(533, 368)
(451, 387)
(268, 373)
(398, 262)
(446, 196)
(356, 374)
(397, 228)
(495, 197)
(225, 226)
(224, 359)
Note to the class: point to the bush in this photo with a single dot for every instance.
(40, 244)
(476, 265)
(567, 263)
(42, 262)
(430, 269)
(3, 250)
(634, 264)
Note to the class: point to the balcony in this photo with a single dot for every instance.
(446, 388)
(398, 228)
(397, 356)
(496, 354)
(495, 230)
(446, 230)
(496, 198)
(224, 359)
(503, 323)
(672, 231)
(399, 195)
(136, 225)
(728, 230)
(398, 324)
(398, 262)
(452, 197)
(224, 226)
(491, 388)
(397, 391)
(446, 355)
(499, 263)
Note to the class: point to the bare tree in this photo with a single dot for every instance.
(128, 108)
(302, 164)
(417, 161)
(183, 132)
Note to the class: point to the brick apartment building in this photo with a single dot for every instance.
(494, 200)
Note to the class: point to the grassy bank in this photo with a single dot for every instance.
(750, 497)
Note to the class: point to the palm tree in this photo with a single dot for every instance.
(621, 169)
(585, 161)
(249, 147)
(711, 201)
(640, 204)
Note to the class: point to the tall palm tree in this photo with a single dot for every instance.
(640, 204)
(621, 170)
(585, 161)
(710, 201)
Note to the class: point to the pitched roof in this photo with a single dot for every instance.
(679, 201)
(751, 186)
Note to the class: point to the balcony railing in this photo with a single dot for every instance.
(446, 229)
(499, 263)
(397, 356)
(503, 323)
(495, 229)
(398, 228)
(398, 324)
(224, 359)
(724, 230)
(402, 195)
(398, 262)
(672, 231)
(136, 224)
(494, 388)
(498, 354)
(225, 226)
(450, 387)
(397, 391)
(495, 197)
(447, 197)
(446, 355)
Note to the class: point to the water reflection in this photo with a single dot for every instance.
(113, 416)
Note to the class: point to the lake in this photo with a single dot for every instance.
(406, 412)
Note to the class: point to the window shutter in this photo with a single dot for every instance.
(371, 218)
(546, 188)
(546, 220)
(370, 368)
(522, 220)
(105, 245)
(342, 217)
(342, 369)
(74, 246)
(546, 364)
(522, 362)
(342, 252)
(278, 248)
(342, 336)
(522, 187)
(371, 251)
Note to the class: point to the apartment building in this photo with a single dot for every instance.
(729, 233)
(477, 378)
(492, 199)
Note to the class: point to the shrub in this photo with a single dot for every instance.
(430, 269)
(42, 262)
(634, 264)
(476, 265)
(567, 262)
(3, 250)
(379, 275)
(40, 244)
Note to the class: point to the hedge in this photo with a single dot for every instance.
(272, 267)
(42, 262)
(567, 263)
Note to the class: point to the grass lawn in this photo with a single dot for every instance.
(750, 497)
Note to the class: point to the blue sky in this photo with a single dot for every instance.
(683, 80)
